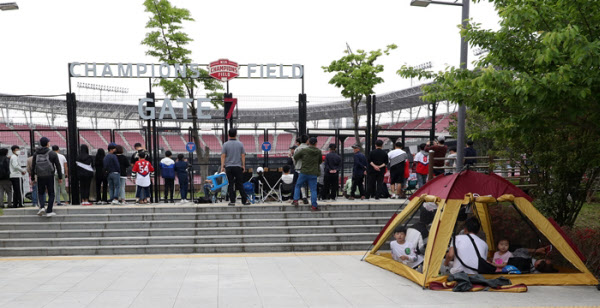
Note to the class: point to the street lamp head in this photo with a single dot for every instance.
(8, 6)
(421, 3)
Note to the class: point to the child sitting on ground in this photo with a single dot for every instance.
(142, 170)
(403, 251)
(501, 256)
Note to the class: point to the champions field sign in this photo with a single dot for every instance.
(222, 69)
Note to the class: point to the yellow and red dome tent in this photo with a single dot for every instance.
(482, 191)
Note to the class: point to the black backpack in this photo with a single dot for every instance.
(43, 165)
(4, 168)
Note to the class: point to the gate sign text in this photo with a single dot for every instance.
(222, 70)
(149, 113)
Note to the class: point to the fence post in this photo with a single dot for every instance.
(430, 165)
(490, 164)
(73, 137)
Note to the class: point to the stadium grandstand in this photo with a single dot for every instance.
(25, 119)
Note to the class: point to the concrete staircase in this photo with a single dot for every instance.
(172, 229)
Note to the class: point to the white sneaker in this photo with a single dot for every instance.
(51, 214)
(393, 196)
(182, 201)
(115, 202)
(42, 212)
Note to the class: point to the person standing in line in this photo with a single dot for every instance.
(181, 169)
(5, 182)
(301, 143)
(452, 161)
(135, 157)
(34, 184)
(439, 151)
(101, 179)
(311, 158)
(113, 171)
(167, 171)
(16, 177)
(60, 188)
(85, 171)
(123, 165)
(397, 159)
(142, 168)
(359, 170)
(233, 163)
(333, 164)
(422, 161)
(378, 159)
(470, 152)
(43, 166)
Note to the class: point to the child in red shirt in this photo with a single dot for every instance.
(142, 169)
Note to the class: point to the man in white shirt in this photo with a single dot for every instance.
(60, 188)
(464, 251)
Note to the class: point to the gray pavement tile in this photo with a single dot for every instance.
(363, 296)
(155, 298)
(32, 299)
(195, 302)
(239, 297)
(114, 299)
(73, 299)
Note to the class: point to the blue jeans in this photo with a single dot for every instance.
(143, 192)
(421, 179)
(183, 185)
(114, 184)
(312, 184)
(122, 183)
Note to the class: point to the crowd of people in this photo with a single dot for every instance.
(308, 172)
(48, 170)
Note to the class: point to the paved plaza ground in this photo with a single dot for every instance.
(242, 280)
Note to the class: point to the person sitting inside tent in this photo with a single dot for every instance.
(419, 232)
(404, 251)
(500, 258)
(463, 250)
(533, 265)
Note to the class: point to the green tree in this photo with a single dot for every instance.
(540, 84)
(168, 43)
(356, 73)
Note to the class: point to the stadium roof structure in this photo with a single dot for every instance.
(386, 102)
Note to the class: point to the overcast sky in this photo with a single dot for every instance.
(40, 38)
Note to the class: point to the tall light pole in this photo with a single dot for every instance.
(464, 49)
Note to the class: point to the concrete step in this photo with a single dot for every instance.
(266, 230)
(187, 249)
(195, 216)
(231, 223)
(193, 208)
(189, 240)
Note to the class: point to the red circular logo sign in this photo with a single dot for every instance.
(223, 69)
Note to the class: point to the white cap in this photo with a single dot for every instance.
(259, 169)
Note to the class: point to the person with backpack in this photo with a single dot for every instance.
(44, 163)
(167, 171)
(85, 171)
(181, 169)
(5, 183)
(16, 177)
